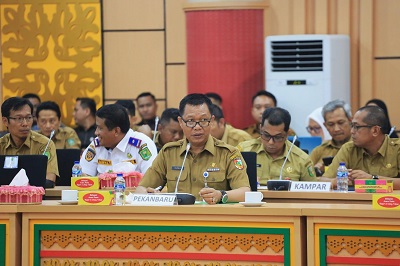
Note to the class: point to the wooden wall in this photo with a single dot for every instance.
(145, 50)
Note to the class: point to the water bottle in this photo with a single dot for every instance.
(76, 169)
(119, 190)
(342, 178)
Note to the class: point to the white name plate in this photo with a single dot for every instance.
(151, 199)
(310, 186)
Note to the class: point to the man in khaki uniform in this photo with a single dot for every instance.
(273, 147)
(21, 140)
(49, 118)
(261, 101)
(371, 154)
(337, 116)
(227, 133)
(223, 164)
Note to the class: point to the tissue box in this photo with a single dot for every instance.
(132, 179)
(85, 183)
(386, 202)
(100, 197)
(373, 186)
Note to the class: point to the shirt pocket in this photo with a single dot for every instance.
(217, 180)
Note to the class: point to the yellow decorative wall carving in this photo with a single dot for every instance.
(53, 49)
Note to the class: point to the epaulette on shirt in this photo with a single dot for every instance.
(222, 144)
(168, 145)
(135, 142)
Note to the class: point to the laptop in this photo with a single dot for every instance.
(34, 165)
(250, 157)
(66, 159)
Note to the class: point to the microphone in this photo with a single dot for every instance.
(180, 173)
(184, 198)
(47, 145)
(282, 184)
(155, 130)
(391, 130)
(287, 156)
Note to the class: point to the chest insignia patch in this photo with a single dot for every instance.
(71, 142)
(310, 172)
(90, 154)
(389, 165)
(238, 163)
(47, 153)
(289, 169)
(144, 152)
(135, 142)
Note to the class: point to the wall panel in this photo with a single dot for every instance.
(133, 14)
(134, 62)
(175, 31)
(177, 85)
(387, 30)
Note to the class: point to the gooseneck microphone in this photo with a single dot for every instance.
(180, 173)
(155, 129)
(287, 156)
(48, 143)
(392, 130)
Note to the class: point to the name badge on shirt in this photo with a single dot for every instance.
(104, 162)
(213, 170)
(131, 161)
(177, 168)
(258, 165)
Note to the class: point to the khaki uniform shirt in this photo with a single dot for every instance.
(66, 138)
(254, 131)
(35, 143)
(224, 164)
(386, 162)
(328, 148)
(298, 167)
(234, 136)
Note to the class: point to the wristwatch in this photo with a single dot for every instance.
(375, 177)
(224, 198)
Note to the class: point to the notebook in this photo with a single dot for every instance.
(250, 158)
(34, 165)
(65, 159)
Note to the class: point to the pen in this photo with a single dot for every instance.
(158, 188)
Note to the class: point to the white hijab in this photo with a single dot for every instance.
(316, 115)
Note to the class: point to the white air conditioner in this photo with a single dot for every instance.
(305, 72)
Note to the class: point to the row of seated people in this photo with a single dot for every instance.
(145, 152)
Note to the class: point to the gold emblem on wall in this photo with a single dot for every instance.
(53, 49)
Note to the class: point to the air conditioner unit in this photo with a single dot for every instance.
(305, 72)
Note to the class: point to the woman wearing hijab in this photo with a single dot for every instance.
(315, 125)
(382, 105)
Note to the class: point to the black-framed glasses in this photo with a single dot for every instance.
(20, 119)
(357, 127)
(191, 123)
(268, 137)
(315, 129)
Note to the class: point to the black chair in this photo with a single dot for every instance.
(66, 159)
(250, 157)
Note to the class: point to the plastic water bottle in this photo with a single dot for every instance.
(342, 178)
(119, 190)
(76, 169)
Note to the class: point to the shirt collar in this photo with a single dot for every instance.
(124, 142)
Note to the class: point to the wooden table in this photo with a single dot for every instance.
(317, 197)
(231, 233)
(351, 234)
(10, 235)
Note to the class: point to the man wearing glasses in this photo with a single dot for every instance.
(213, 170)
(272, 148)
(371, 154)
(17, 116)
(337, 117)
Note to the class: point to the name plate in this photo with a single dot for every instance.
(310, 186)
(151, 199)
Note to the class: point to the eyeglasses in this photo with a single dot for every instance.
(315, 129)
(268, 137)
(191, 123)
(20, 120)
(357, 127)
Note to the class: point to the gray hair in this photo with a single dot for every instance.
(336, 104)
